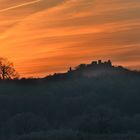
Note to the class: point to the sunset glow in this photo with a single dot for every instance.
(42, 37)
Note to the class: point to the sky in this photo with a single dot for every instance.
(43, 37)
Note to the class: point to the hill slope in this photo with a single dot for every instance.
(89, 100)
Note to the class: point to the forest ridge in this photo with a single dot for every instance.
(91, 101)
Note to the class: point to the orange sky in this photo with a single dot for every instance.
(46, 36)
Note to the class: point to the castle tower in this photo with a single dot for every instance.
(109, 63)
(99, 61)
(94, 63)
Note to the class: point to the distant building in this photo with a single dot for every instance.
(109, 63)
(99, 61)
(94, 63)
(106, 63)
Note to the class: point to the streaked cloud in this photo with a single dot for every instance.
(18, 6)
(48, 36)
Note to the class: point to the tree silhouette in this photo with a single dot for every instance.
(7, 70)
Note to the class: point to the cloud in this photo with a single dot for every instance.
(20, 5)
(54, 35)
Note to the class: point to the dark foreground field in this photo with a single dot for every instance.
(72, 136)
(101, 103)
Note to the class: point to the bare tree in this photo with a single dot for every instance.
(7, 70)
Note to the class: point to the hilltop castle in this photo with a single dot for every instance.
(99, 62)
(94, 64)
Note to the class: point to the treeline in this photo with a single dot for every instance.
(80, 105)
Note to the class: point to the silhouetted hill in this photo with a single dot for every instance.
(93, 101)
(93, 70)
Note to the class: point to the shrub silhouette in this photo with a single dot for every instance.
(7, 70)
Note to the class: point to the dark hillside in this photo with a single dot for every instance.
(91, 101)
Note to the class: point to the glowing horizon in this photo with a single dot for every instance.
(42, 37)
